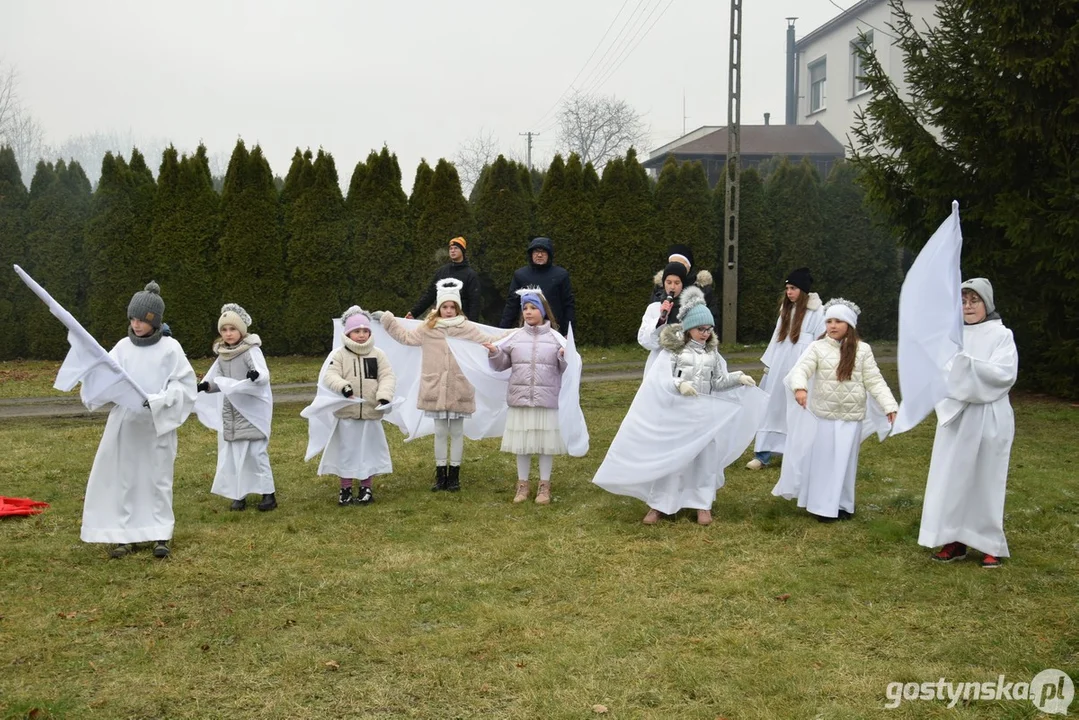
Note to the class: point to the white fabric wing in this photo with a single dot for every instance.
(103, 380)
(253, 400)
(571, 421)
(321, 420)
(930, 323)
(664, 430)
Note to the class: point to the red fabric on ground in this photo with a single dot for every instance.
(12, 507)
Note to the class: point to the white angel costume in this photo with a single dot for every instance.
(823, 440)
(129, 494)
(968, 473)
(778, 360)
(670, 449)
(243, 460)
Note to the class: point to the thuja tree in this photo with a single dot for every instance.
(760, 280)
(15, 299)
(793, 215)
(446, 214)
(990, 121)
(318, 284)
(58, 210)
(251, 255)
(503, 225)
(184, 244)
(566, 212)
(381, 244)
(863, 259)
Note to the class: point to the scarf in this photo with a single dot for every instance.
(147, 341)
(443, 323)
(228, 352)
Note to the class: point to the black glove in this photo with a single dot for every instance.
(252, 375)
(203, 387)
(383, 402)
(347, 391)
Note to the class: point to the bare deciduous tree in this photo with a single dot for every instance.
(599, 128)
(473, 155)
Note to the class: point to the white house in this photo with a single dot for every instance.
(827, 89)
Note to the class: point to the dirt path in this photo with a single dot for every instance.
(70, 406)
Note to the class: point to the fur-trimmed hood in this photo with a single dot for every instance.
(672, 338)
(814, 302)
(703, 278)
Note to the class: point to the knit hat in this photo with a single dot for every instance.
(460, 242)
(984, 290)
(694, 312)
(841, 309)
(354, 318)
(532, 295)
(147, 305)
(675, 268)
(448, 289)
(675, 253)
(234, 315)
(800, 279)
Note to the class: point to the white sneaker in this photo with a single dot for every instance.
(754, 464)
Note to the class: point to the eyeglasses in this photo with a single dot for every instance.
(971, 301)
(704, 329)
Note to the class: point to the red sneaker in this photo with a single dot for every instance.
(990, 561)
(951, 551)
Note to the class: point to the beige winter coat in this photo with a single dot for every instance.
(443, 387)
(368, 371)
(835, 400)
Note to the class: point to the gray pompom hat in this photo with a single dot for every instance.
(985, 291)
(147, 305)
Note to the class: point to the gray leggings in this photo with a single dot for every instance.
(452, 431)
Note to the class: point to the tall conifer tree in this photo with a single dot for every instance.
(793, 213)
(503, 225)
(15, 299)
(760, 279)
(446, 215)
(382, 244)
(317, 262)
(251, 257)
(59, 207)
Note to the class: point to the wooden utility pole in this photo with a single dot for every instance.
(530, 136)
(732, 179)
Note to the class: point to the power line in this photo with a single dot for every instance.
(618, 43)
(629, 52)
(594, 50)
(845, 10)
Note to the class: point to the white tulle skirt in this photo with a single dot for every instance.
(533, 431)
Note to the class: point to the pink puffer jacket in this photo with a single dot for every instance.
(535, 366)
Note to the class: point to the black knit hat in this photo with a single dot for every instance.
(800, 279)
(675, 268)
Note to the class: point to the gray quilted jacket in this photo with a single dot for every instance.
(234, 425)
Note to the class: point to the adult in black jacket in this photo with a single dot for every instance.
(552, 279)
(458, 269)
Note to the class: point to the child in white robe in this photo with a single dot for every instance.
(968, 472)
(844, 374)
(357, 447)
(243, 459)
(801, 321)
(696, 369)
(129, 493)
(660, 312)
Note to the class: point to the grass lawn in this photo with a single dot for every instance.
(428, 605)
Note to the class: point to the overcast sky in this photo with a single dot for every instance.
(419, 76)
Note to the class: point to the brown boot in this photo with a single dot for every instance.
(652, 517)
(543, 497)
(522, 491)
(704, 517)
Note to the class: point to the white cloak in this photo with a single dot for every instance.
(350, 448)
(778, 360)
(670, 450)
(129, 494)
(968, 473)
(243, 466)
(493, 386)
(821, 459)
(648, 333)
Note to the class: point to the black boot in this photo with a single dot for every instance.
(269, 502)
(345, 498)
(239, 505)
(440, 478)
(453, 482)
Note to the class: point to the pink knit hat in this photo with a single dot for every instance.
(356, 318)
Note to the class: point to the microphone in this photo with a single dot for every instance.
(665, 311)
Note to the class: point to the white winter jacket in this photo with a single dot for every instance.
(835, 400)
(701, 365)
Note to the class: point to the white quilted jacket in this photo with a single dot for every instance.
(835, 400)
